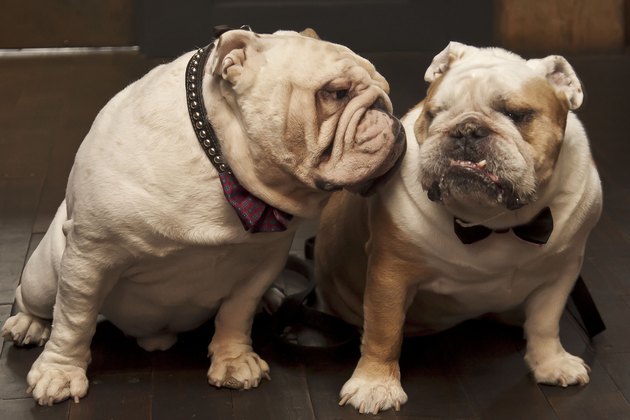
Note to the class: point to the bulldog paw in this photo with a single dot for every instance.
(241, 372)
(50, 383)
(563, 370)
(24, 329)
(370, 396)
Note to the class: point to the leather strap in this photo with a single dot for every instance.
(591, 320)
(296, 315)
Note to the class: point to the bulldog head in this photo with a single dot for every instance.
(314, 113)
(492, 125)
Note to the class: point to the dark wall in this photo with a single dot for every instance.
(66, 23)
(167, 28)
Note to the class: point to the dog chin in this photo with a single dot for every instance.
(474, 190)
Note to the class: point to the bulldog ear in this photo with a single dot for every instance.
(441, 62)
(559, 73)
(230, 54)
(310, 33)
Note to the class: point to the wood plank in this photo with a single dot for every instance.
(115, 396)
(180, 385)
(187, 394)
(27, 409)
(15, 364)
(430, 379)
(618, 367)
(324, 379)
(600, 398)
(489, 365)
(286, 395)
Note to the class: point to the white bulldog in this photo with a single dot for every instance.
(148, 235)
(489, 214)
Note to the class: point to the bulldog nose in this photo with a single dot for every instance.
(470, 128)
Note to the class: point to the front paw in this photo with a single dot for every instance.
(53, 382)
(371, 395)
(563, 369)
(244, 371)
(24, 329)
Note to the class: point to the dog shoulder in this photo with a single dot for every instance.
(392, 245)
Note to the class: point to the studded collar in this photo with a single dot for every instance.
(197, 109)
(255, 215)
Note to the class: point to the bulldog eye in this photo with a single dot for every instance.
(519, 116)
(334, 92)
(341, 93)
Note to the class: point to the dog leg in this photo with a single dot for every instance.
(86, 276)
(549, 361)
(35, 296)
(234, 363)
(375, 384)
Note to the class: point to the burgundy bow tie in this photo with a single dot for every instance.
(255, 214)
(536, 231)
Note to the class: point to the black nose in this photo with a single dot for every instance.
(470, 128)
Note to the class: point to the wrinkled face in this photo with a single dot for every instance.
(315, 110)
(490, 133)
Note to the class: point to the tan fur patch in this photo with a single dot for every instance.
(394, 266)
(421, 126)
(546, 130)
(341, 275)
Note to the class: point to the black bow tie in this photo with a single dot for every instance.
(537, 231)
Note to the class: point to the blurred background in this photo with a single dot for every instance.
(400, 36)
(166, 28)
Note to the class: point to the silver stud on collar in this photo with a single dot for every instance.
(197, 111)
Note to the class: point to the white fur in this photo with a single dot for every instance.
(146, 236)
(501, 273)
(373, 394)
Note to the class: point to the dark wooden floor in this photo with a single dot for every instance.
(473, 371)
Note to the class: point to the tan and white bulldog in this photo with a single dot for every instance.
(147, 235)
(495, 157)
